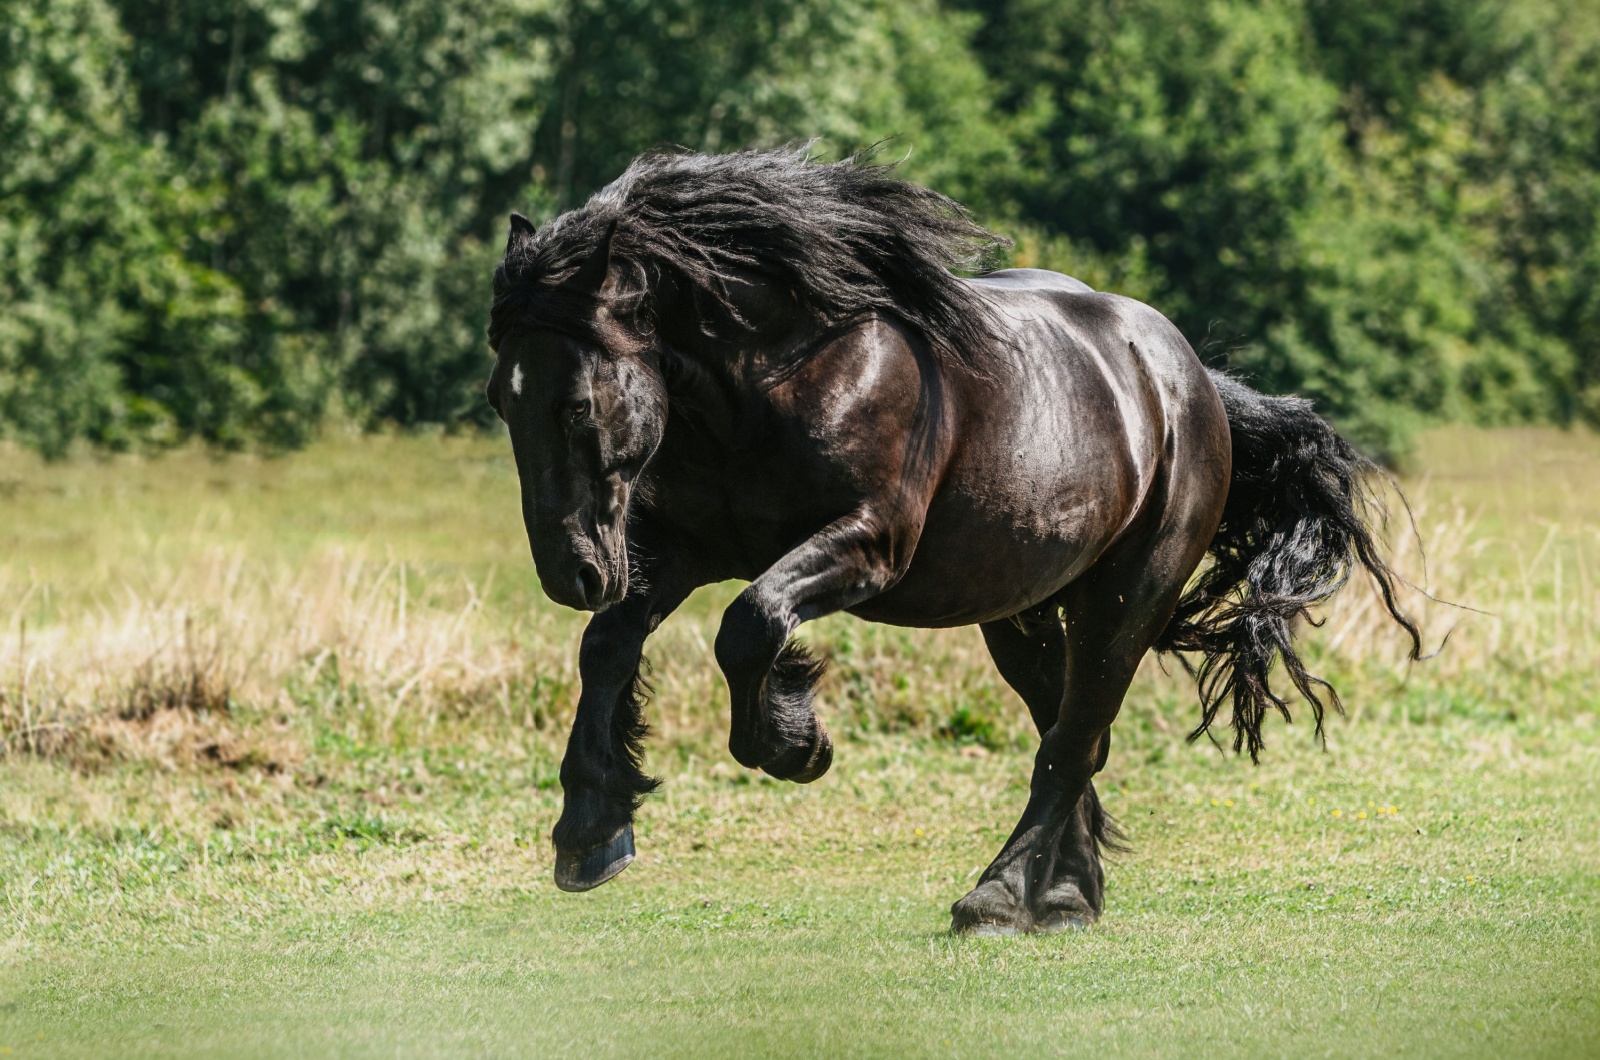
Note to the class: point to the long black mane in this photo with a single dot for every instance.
(847, 238)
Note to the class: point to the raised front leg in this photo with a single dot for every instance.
(772, 681)
(601, 776)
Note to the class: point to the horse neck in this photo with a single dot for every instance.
(775, 328)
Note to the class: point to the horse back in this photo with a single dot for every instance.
(1037, 280)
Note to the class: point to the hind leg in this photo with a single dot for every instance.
(1030, 651)
(1049, 876)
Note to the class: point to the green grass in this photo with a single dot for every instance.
(344, 850)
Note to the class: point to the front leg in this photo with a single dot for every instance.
(771, 680)
(601, 776)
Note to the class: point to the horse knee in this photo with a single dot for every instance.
(609, 661)
(750, 637)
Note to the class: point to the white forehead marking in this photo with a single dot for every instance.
(516, 379)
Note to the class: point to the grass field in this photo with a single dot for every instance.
(280, 740)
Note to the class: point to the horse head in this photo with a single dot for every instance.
(578, 386)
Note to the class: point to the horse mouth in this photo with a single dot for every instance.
(587, 587)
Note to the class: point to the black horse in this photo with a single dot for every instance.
(759, 366)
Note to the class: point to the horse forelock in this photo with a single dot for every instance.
(530, 287)
(845, 238)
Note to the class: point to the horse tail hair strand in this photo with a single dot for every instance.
(1300, 516)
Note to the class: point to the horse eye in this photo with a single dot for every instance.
(578, 410)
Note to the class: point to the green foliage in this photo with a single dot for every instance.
(1332, 196)
(116, 330)
(232, 221)
(971, 727)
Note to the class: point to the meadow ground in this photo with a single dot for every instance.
(280, 740)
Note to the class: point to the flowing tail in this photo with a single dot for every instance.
(1299, 517)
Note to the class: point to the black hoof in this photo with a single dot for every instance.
(983, 929)
(1064, 908)
(589, 869)
(1055, 923)
(803, 770)
(989, 909)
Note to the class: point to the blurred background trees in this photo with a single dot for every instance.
(236, 221)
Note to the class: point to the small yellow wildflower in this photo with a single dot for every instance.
(1471, 881)
(1394, 809)
(1311, 802)
(1227, 802)
(1362, 816)
(1216, 802)
(919, 831)
(1338, 813)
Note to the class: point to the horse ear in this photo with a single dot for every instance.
(593, 273)
(522, 231)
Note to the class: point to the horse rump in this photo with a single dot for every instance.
(1300, 515)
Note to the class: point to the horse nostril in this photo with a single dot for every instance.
(589, 583)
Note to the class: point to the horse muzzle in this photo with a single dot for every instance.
(583, 583)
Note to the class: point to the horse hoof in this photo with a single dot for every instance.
(989, 909)
(1055, 923)
(587, 870)
(819, 757)
(1063, 908)
(983, 929)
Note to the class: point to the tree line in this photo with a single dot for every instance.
(238, 221)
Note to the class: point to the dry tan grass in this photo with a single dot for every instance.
(226, 632)
(215, 658)
(1535, 608)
